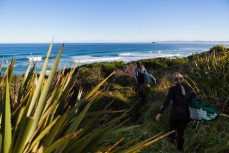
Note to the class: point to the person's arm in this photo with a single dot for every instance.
(145, 71)
(136, 75)
(165, 104)
(136, 72)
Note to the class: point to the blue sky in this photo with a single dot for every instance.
(29, 21)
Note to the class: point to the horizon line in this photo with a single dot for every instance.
(167, 41)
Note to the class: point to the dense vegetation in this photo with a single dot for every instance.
(207, 73)
(42, 113)
(92, 109)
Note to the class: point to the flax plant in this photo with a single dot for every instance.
(41, 119)
(209, 75)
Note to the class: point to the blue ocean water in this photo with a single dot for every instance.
(86, 53)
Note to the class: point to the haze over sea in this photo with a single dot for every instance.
(87, 53)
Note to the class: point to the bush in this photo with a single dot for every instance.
(217, 50)
(106, 67)
(209, 76)
(158, 63)
(87, 78)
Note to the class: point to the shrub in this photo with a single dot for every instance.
(106, 67)
(158, 63)
(87, 78)
(209, 75)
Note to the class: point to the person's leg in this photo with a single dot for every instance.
(140, 91)
(180, 133)
(141, 82)
(172, 126)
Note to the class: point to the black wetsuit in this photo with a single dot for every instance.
(179, 115)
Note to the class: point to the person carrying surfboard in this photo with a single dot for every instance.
(179, 94)
(142, 76)
(139, 74)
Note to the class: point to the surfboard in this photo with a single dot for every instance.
(149, 78)
(201, 110)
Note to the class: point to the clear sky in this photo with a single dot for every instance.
(28, 21)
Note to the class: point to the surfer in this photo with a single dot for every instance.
(179, 95)
(139, 74)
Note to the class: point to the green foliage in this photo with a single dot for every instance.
(157, 63)
(209, 137)
(125, 76)
(41, 120)
(217, 50)
(89, 77)
(209, 75)
(121, 92)
(106, 67)
(118, 98)
(91, 74)
(125, 80)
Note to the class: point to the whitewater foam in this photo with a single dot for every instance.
(91, 59)
(125, 54)
(125, 57)
(35, 58)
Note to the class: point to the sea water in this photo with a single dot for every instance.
(86, 53)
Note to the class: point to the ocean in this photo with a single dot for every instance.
(86, 53)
